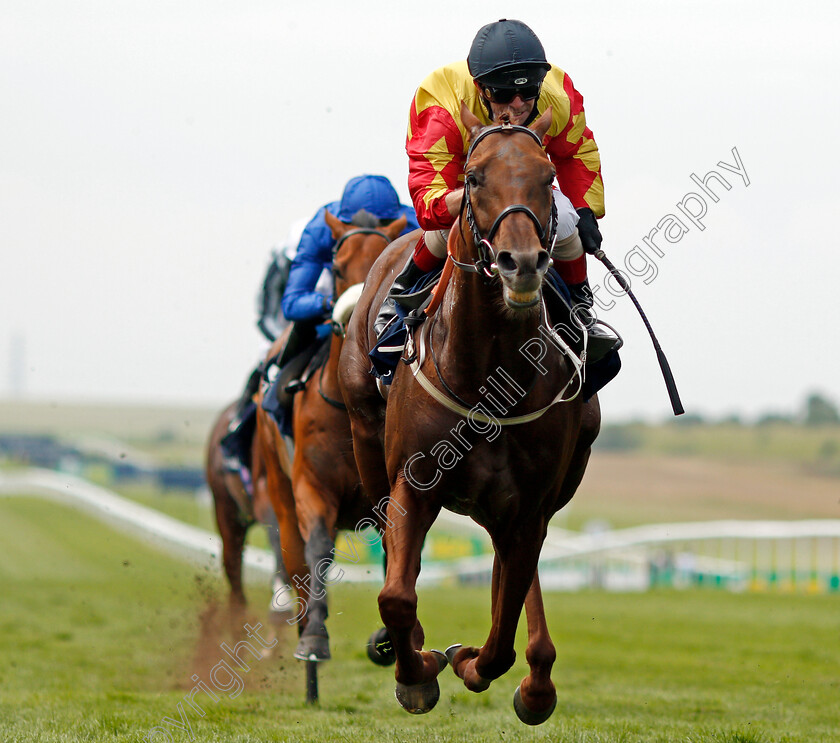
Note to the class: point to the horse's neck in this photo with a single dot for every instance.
(479, 335)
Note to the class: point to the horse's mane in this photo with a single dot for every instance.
(364, 218)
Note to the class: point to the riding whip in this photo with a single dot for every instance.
(676, 404)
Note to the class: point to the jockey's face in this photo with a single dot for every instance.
(518, 110)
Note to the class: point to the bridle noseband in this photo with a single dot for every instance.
(485, 264)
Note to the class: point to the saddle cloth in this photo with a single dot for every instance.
(385, 355)
(283, 382)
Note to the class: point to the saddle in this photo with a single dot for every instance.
(289, 371)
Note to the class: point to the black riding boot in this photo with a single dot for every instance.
(601, 340)
(236, 444)
(403, 283)
(251, 387)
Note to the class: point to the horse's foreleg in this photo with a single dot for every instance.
(272, 532)
(232, 531)
(514, 572)
(279, 492)
(459, 655)
(280, 583)
(320, 545)
(536, 697)
(409, 519)
(494, 584)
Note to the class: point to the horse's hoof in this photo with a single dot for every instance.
(441, 659)
(471, 678)
(313, 647)
(380, 649)
(528, 717)
(419, 698)
(450, 653)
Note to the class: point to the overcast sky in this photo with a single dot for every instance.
(153, 152)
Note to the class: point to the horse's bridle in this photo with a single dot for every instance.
(485, 263)
(357, 231)
(349, 234)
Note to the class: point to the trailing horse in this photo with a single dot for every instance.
(484, 418)
(236, 510)
(317, 491)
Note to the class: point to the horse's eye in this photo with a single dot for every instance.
(471, 179)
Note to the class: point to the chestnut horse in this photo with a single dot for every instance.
(236, 511)
(472, 425)
(319, 491)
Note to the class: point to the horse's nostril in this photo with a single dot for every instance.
(506, 262)
(543, 259)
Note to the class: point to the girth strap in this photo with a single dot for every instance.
(473, 414)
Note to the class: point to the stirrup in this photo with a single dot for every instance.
(601, 339)
(409, 301)
(386, 316)
(296, 385)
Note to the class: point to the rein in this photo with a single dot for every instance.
(335, 403)
(349, 234)
(357, 231)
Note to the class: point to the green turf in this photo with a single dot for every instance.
(99, 636)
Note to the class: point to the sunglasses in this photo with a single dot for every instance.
(506, 95)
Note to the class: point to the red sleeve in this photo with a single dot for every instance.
(435, 150)
(576, 158)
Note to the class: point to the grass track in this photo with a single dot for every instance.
(99, 637)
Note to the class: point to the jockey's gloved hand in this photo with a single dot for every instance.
(326, 307)
(590, 235)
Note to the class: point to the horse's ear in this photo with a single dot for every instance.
(337, 227)
(394, 229)
(541, 126)
(470, 121)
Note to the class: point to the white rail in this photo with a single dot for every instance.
(190, 542)
(742, 546)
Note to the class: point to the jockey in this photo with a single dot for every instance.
(371, 193)
(305, 302)
(506, 73)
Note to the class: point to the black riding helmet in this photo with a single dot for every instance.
(507, 54)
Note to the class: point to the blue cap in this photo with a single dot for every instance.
(373, 193)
